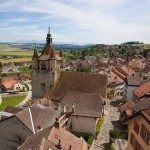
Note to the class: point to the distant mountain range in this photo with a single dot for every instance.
(31, 45)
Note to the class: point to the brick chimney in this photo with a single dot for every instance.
(56, 124)
(59, 145)
(73, 106)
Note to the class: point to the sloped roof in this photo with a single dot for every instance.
(8, 82)
(80, 82)
(125, 106)
(134, 80)
(85, 104)
(141, 105)
(51, 136)
(12, 109)
(142, 90)
(67, 139)
(43, 116)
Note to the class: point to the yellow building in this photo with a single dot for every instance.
(139, 127)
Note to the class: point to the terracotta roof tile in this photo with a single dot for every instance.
(8, 82)
(50, 137)
(141, 105)
(80, 82)
(67, 139)
(126, 106)
(142, 90)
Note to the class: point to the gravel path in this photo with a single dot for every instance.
(111, 121)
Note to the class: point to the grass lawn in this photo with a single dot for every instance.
(25, 69)
(11, 101)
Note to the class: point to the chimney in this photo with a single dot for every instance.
(70, 147)
(29, 102)
(59, 107)
(39, 128)
(65, 109)
(56, 124)
(73, 106)
(59, 145)
(40, 102)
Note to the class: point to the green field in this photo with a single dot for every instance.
(25, 69)
(144, 45)
(8, 50)
(11, 101)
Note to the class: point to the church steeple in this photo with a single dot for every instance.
(61, 53)
(35, 54)
(49, 38)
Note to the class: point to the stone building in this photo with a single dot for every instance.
(45, 68)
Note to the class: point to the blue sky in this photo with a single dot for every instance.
(75, 21)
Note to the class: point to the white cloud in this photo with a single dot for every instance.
(96, 21)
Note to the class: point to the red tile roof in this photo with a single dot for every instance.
(80, 82)
(8, 82)
(125, 107)
(52, 136)
(142, 90)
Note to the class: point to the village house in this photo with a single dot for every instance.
(125, 110)
(85, 110)
(141, 92)
(16, 128)
(9, 84)
(53, 138)
(134, 81)
(115, 84)
(9, 67)
(139, 126)
(131, 83)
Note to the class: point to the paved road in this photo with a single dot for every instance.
(111, 121)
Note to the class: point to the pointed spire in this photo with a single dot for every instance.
(61, 52)
(53, 53)
(49, 38)
(49, 30)
(35, 54)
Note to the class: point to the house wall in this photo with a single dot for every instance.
(11, 130)
(84, 124)
(138, 137)
(128, 92)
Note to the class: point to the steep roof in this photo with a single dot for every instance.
(80, 82)
(51, 137)
(8, 82)
(141, 105)
(125, 106)
(142, 90)
(35, 54)
(43, 116)
(85, 104)
(134, 80)
(12, 109)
